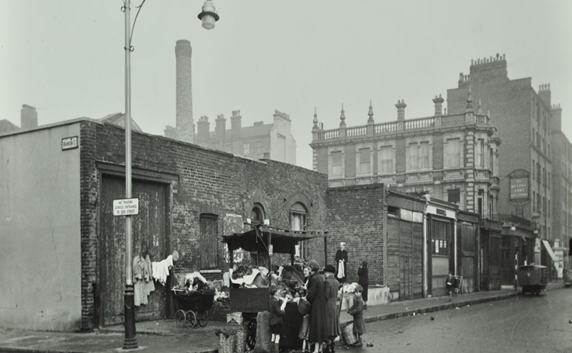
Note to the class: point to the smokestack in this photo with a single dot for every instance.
(28, 117)
(203, 127)
(185, 124)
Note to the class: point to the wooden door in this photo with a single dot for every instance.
(149, 231)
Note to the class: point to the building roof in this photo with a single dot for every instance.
(119, 120)
(7, 126)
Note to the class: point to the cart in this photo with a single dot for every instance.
(264, 239)
(532, 278)
(193, 308)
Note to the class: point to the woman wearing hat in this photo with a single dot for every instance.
(331, 289)
(316, 297)
(341, 259)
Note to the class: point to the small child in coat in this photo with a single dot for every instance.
(356, 310)
(277, 304)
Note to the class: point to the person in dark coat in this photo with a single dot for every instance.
(331, 289)
(341, 260)
(356, 310)
(277, 305)
(363, 280)
(317, 298)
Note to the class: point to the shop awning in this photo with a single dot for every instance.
(549, 250)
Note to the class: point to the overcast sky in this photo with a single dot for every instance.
(66, 57)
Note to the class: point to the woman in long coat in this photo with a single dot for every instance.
(331, 288)
(316, 296)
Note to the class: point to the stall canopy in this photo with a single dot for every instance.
(259, 237)
(549, 250)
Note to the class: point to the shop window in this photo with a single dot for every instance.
(441, 238)
(393, 211)
(208, 241)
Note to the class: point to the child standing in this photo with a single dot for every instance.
(363, 281)
(277, 305)
(356, 311)
(305, 328)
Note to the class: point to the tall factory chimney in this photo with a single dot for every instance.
(185, 125)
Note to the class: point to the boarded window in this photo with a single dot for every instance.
(468, 239)
(209, 241)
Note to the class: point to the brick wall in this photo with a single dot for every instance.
(208, 182)
(356, 217)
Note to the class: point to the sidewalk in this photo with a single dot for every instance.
(165, 336)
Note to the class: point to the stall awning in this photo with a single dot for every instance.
(282, 240)
(549, 250)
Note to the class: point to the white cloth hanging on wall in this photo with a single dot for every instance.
(161, 269)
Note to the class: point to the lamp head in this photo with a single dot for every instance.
(208, 15)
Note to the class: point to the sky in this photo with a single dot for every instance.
(66, 58)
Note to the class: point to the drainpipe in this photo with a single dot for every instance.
(455, 238)
(425, 230)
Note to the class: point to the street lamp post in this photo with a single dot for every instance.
(208, 16)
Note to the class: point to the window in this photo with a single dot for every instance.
(208, 241)
(298, 221)
(246, 149)
(441, 238)
(424, 155)
(418, 156)
(491, 161)
(337, 164)
(386, 160)
(533, 135)
(364, 161)
(453, 153)
(257, 214)
(480, 153)
(533, 201)
(454, 195)
(413, 157)
(533, 173)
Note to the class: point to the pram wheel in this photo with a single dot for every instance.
(191, 318)
(180, 318)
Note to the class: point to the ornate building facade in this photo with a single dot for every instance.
(452, 157)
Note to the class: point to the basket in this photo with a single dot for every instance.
(348, 334)
(304, 306)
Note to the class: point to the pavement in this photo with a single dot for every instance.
(166, 336)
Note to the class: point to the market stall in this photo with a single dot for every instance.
(249, 292)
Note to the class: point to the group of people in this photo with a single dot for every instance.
(321, 326)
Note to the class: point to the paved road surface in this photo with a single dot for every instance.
(521, 324)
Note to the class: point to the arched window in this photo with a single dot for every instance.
(257, 214)
(299, 221)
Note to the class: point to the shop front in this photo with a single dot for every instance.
(441, 245)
